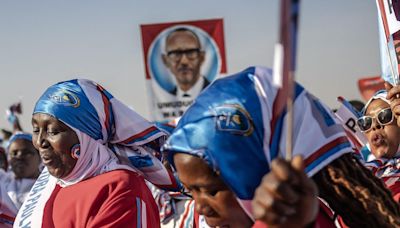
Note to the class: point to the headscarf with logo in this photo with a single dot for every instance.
(231, 127)
(111, 135)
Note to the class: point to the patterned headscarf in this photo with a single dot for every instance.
(381, 94)
(231, 126)
(111, 135)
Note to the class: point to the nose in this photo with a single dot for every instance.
(375, 124)
(40, 140)
(184, 59)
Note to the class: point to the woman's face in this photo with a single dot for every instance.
(24, 159)
(212, 197)
(54, 141)
(384, 140)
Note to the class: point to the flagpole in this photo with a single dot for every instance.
(291, 23)
(395, 79)
(284, 72)
(289, 121)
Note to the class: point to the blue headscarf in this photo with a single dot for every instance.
(105, 127)
(19, 135)
(232, 127)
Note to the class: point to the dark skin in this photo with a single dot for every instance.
(383, 140)
(393, 96)
(24, 159)
(54, 141)
(286, 197)
(212, 197)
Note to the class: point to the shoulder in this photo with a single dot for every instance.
(117, 179)
(107, 185)
(6, 177)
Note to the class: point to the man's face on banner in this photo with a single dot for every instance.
(183, 58)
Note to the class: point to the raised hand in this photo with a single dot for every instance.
(286, 197)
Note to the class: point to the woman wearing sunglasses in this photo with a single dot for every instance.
(379, 124)
(226, 150)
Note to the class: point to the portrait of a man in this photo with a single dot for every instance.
(184, 57)
(181, 60)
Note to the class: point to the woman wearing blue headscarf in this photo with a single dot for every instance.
(225, 143)
(96, 153)
(15, 185)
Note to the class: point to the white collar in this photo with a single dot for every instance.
(193, 91)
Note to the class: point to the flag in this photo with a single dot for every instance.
(348, 117)
(16, 108)
(284, 62)
(389, 38)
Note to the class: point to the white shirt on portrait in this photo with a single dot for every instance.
(193, 92)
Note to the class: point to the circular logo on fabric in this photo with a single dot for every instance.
(234, 118)
(65, 98)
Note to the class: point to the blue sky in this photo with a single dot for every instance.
(43, 42)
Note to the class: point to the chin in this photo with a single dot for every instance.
(216, 221)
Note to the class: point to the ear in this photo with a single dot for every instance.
(202, 56)
(165, 60)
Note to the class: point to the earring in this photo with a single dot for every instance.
(76, 151)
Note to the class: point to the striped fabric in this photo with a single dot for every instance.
(229, 126)
(106, 128)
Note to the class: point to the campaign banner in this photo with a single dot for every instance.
(181, 59)
(389, 39)
(390, 12)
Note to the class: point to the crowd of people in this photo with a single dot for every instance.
(91, 161)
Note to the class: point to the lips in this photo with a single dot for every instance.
(46, 158)
(377, 140)
(185, 70)
(47, 162)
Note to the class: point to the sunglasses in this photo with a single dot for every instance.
(384, 117)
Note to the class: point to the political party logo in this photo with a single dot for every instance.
(234, 119)
(65, 98)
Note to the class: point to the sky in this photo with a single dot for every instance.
(46, 41)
